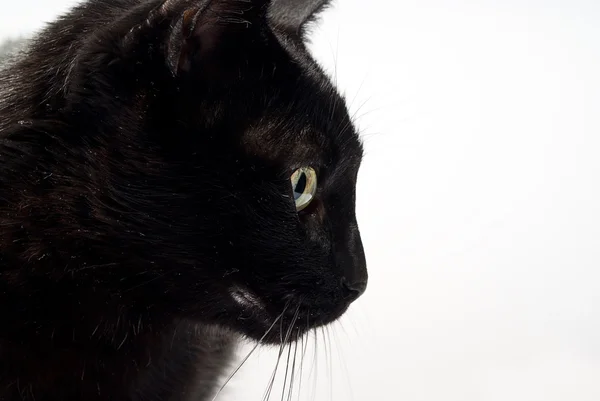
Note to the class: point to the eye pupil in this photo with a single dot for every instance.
(300, 186)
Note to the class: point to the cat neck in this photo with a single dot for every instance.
(184, 360)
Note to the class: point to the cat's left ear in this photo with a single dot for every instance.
(210, 34)
(293, 16)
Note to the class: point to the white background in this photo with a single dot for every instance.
(479, 201)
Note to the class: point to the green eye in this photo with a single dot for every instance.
(304, 184)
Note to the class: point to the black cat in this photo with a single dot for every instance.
(174, 174)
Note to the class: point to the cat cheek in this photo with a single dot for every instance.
(316, 226)
(314, 213)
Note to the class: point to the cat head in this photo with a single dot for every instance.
(225, 164)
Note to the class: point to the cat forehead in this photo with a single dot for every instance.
(305, 120)
(297, 139)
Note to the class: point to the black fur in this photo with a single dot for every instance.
(145, 155)
(294, 16)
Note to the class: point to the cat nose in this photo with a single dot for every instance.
(354, 268)
(353, 289)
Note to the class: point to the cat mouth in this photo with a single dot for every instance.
(261, 321)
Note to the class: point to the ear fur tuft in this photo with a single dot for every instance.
(293, 16)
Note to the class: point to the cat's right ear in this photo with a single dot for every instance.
(206, 36)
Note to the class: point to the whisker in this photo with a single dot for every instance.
(343, 364)
(287, 367)
(290, 393)
(267, 394)
(331, 370)
(357, 93)
(304, 339)
(336, 57)
(315, 366)
(327, 361)
(355, 116)
(334, 104)
(291, 388)
(248, 355)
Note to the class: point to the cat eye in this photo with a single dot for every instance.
(304, 185)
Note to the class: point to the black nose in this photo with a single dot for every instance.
(353, 265)
(353, 289)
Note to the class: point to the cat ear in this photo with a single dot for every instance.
(208, 32)
(294, 15)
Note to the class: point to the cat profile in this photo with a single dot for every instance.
(174, 175)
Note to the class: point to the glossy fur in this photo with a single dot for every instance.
(146, 214)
